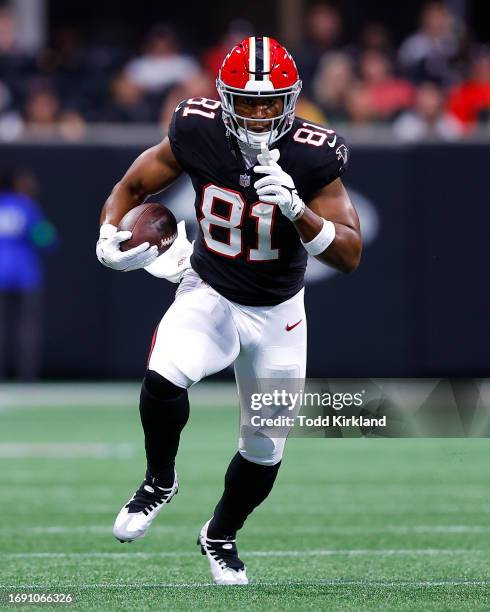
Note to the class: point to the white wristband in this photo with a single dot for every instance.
(322, 240)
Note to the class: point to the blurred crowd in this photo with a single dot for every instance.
(435, 83)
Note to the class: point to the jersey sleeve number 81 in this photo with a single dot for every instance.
(315, 137)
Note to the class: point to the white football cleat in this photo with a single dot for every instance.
(226, 566)
(135, 518)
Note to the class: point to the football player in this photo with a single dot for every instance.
(268, 193)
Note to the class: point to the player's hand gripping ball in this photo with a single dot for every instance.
(143, 233)
(151, 223)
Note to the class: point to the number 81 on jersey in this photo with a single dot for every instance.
(262, 213)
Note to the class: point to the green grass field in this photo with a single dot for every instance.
(352, 524)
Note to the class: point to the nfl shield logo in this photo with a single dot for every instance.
(244, 180)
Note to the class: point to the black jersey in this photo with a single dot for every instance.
(246, 249)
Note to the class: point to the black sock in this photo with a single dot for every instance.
(164, 411)
(247, 484)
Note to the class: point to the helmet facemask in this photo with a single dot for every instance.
(238, 124)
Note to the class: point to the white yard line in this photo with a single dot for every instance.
(193, 585)
(351, 511)
(439, 529)
(63, 450)
(386, 552)
(86, 395)
(53, 395)
(320, 529)
(402, 507)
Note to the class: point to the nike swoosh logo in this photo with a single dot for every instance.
(290, 327)
(331, 143)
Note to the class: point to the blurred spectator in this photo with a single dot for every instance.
(23, 231)
(429, 53)
(72, 125)
(127, 103)
(8, 44)
(359, 106)
(389, 94)
(214, 56)
(470, 101)
(324, 27)
(66, 54)
(14, 65)
(373, 37)
(428, 118)
(41, 110)
(10, 120)
(161, 64)
(323, 33)
(199, 86)
(332, 83)
(44, 116)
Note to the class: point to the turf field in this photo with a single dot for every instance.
(353, 524)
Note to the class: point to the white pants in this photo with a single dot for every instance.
(202, 333)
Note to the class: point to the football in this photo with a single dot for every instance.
(149, 222)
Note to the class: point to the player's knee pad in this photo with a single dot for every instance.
(161, 388)
(262, 449)
(179, 367)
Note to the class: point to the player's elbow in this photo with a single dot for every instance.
(353, 261)
(351, 257)
(348, 247)
(349, 267)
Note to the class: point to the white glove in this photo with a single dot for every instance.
(109, 253)
(277, 187)
(173, 263)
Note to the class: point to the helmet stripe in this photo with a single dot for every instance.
(251, 57)
(259, 62)
(267, 54)
(267, 57)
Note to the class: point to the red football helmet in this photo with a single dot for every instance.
(258, 66)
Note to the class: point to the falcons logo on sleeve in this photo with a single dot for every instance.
(342, 153)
